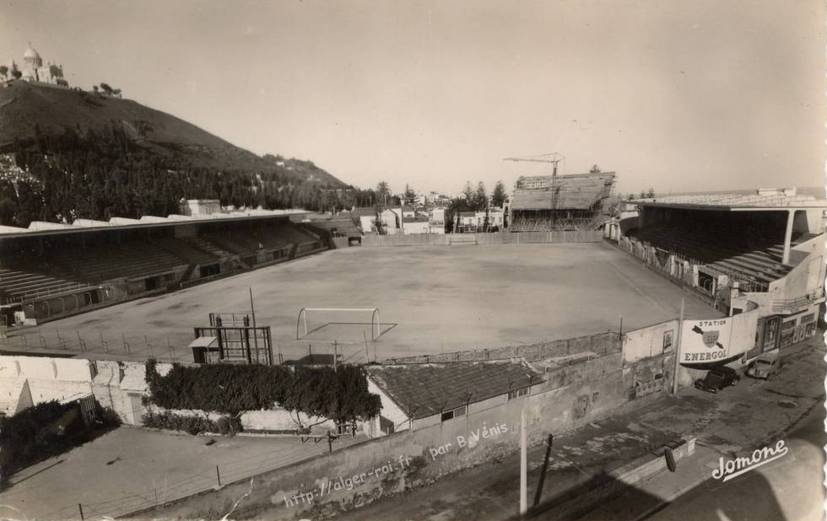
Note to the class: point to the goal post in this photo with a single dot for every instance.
(327, 316)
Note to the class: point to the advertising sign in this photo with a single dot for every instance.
(706, 341)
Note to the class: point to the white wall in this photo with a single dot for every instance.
(389, 409)
(648, 341)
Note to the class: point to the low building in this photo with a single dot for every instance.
(391, 219)
(465, 222)
(416, 225)
(366, 218)
(418, 395)
(196, 207)
(493, 218)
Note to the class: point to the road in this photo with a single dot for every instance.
(789, 488)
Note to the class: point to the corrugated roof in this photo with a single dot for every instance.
(423, 390)
(574, 192)
(756, 199)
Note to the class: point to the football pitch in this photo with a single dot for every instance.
(431, 299)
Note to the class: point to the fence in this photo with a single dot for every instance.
(600, 344)
(433, 239)
(124, 344)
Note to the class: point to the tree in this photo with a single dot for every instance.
(595, 169)
(409, 196)
(106, 88)
(499, 195)
(16, 74)
(382, 195)
(651, 193)
(480, 198)
(468, 193)
(3, 70)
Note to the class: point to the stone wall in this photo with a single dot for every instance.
(361, 473)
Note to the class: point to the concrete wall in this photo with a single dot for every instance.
(591, 390)
(649, 341)
(115, 385)
(276, 420)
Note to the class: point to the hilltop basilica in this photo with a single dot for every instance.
(33, 70)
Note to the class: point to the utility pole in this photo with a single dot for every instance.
(678, 348)
(523, 465)
(253, 313)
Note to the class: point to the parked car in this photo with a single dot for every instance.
(717, 378)
(765, 366)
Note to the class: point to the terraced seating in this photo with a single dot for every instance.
(19, 284)
(749, 258)
(132, 260)
(187, 252)
(207, 246)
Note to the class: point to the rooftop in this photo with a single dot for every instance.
(761, 198)
(121, 223)
(422, 390)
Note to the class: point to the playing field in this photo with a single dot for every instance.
(431, 299)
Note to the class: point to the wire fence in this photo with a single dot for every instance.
(161, 493)
(123, 344)
(141, 344)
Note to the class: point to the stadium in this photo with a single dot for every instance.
(134, 289)
(557, 328)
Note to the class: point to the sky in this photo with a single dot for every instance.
(675, 95)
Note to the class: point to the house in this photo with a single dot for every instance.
(466, 222)
(366, 218)
(391, 219)
(437, 220)
(418, 395)
(495, 219)
(416, 225)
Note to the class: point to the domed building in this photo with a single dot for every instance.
(34, 70)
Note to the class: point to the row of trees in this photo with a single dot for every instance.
(103, 173)
(339, 394)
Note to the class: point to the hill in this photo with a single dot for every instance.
(28, 109)
(68, 154)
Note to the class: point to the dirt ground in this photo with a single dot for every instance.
(431, 300)
(132, 468)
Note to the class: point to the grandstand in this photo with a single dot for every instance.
(49, 271)
(737, 251)
(568, 202)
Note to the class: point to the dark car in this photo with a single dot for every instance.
(717, 378)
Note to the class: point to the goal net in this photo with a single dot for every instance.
(341, 324)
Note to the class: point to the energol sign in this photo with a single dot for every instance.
(704, 341)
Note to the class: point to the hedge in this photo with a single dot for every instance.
(340, 395)
(192, 424)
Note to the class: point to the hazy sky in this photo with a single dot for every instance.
(678, 95)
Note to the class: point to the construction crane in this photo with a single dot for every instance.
(554, 158)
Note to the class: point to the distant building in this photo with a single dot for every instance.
(466, 222)
(366, 217)
(437, 219)
(495, 219)
(194, 207)
(34, 70)
(391, 219)
(416, 225)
